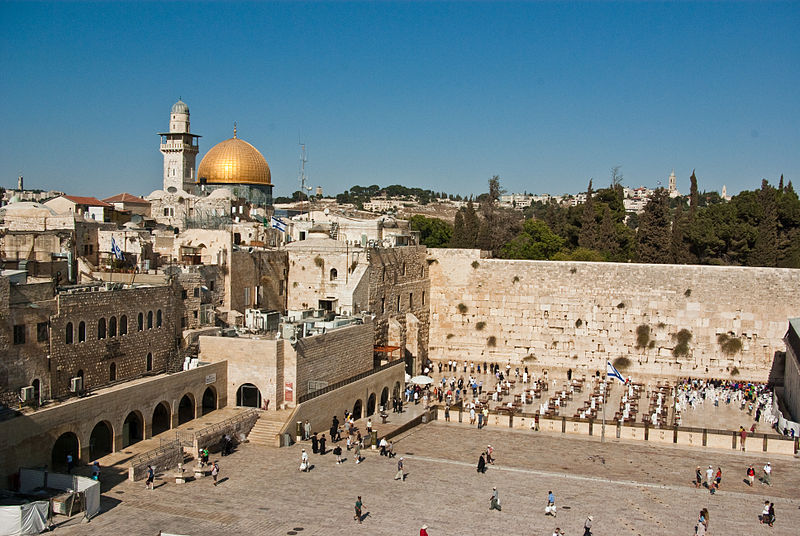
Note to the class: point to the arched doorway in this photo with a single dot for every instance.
(186, 409)
(248, 395)
(384, 398)
(67, 443)
(101, 442)
(132, 429)
(371, 405)
(161, 418)
(209, 400)
(357, 410)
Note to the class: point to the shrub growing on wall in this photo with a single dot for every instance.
(491, 341)
(480, 325)
(622, 363)
(462, 308)
(729, 345)
(642, 336)
(319, 261)
(578, 323)
(475, 264)
(682, 339)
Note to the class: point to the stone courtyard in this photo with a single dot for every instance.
(629, 488)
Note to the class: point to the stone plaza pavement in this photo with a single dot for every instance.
(629, 488)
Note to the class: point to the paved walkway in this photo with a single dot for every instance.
(630, 489)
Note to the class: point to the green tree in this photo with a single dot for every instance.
(588, 233)
(536, 241)
(653, 237)
(765, 249)
(471, 225)
(459, 237)
(434, 233)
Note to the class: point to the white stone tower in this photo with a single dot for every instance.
(180, 149)
(672, 182)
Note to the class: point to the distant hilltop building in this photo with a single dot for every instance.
(672, 188)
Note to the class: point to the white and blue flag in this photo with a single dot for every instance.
(613, 372)
(275, 223)
(116, 251)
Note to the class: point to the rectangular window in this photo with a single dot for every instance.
(211, 285)
(183, 321)
(398, 304)
(184, 295)
(383, 305)
(19, 334)
(423, 297)
(42, 332)
(196, 292)
(195, 313)
(91, 249)
(410, 300)
(247, 296)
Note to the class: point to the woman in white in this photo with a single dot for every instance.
(304, 461)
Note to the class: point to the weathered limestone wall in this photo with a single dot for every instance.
(579, 314)
(791, 372)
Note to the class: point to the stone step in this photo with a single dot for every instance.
(266, 429)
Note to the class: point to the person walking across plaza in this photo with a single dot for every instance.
(337, 451)
(550, 509)
(698, 477)
(359, 505)
(151, 475)
(768, 474)
(494, 502)
(400, 475)
(357, 451)
(304, 461)
(482, 464)
(751, 475)
(322, 445)
(587, 526)
(215, 472)
(423, 531)
(710, 477)
(307, 430)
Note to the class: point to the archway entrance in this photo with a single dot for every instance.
(248, 395)
(357, 410)
(161, 419)
(371, 404)
(384, 398)
(132, 429)
(67, 443)
(209, 400)
(186, 409)
(101, 442)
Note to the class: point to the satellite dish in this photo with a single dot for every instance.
(172, 189)
(136, 218)
(326, 211)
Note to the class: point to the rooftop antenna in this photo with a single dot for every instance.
(302, 179)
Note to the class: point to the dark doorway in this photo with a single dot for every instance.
(248, 395)
(161, 418)
(357, 410)
(67, 443)
(371, 405)
(186, 409)
(209, 400)
(396, 392)
(132, 429)
(101, 442)
(36, 391)
(384, 398)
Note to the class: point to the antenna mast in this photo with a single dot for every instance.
(303, 187)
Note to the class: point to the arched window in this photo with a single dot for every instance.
(68, 333)
(149, 363)
(101, 328)
(334, 274)
(158, 318)
(82, 331)
(112, 372)
(141, 322)
(112, 326)
(123, 325)
(149, 319)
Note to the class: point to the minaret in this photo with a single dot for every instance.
(672, 182)
(180, 149)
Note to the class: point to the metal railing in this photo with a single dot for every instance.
(308, 396)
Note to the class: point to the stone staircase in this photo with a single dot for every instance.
(266, 429)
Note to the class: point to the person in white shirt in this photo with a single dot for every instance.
(768, 474)
(304, 461)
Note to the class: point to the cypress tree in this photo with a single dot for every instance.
(653, 238)
(765, 249)
(694, 197)
(459, 238)
(588, 234)
(471, 225)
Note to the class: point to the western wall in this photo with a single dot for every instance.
(578, 315)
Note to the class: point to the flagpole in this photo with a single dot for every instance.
(603, 431)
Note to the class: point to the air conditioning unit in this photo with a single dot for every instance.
(76, 384)
(26, 393)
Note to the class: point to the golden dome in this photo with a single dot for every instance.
(234, 161)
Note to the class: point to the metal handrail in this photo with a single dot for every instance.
(308, 396)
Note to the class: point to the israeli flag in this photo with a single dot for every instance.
(613, 372)
(275, 223)
(116, 251)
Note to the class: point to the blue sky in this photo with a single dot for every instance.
(435, 95)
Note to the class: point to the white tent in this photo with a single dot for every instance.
(422, 380)
(25, 519)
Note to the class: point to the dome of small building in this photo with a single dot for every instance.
(234, 161)
(180, 107)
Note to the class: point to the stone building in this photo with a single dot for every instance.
(391, 283)
(74, 339)
(791, 372)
